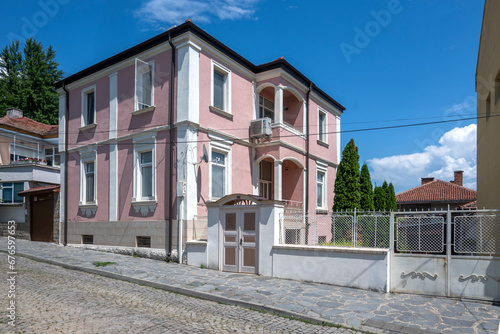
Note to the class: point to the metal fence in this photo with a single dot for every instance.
(423, 233)
(344, 229)
(477, 233)
(471, 232)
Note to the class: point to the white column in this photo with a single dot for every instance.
(188, 82)
(62, 140)
(188, 109)
(113, 147)
(278, 105)
(304, 117)
(278, 180)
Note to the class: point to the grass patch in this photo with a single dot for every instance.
(102, 264)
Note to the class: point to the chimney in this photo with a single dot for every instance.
(426, 180)
(14, 113)
(459, 178)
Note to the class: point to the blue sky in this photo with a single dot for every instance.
(388, 62)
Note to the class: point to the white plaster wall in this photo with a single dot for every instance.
(213, 238)
(15, 213)
(196, 252)
(266, 238)
(361, 269)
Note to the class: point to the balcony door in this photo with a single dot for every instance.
(266, 179)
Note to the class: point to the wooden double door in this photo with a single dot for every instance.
(240, 240)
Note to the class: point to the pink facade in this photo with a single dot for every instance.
(119, 167)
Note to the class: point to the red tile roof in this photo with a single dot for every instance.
(437, 191)
(29, 126)
(55, 187)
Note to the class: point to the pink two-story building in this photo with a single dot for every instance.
(153, 135)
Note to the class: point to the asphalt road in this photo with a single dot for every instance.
(51, 299)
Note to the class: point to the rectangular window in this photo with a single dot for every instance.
(266, 108)
(89, 182)
(144, 79)
(322, 126)
(218, 165)
(219, 90)
(10, 192)
(144, 168)
(52, 157)
(146, 171)
(88, 106)
(320, 190)
(221, 87)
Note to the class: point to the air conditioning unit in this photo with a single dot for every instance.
(260, 128)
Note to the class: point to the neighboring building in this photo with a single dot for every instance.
(28, 159)
(488, 108)
(145, 152)
(437, 195)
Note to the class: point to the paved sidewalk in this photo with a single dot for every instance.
(359, 309)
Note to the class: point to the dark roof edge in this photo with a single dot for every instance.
(189, 26)
(466, 200)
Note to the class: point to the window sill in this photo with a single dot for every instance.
(221, 112)
(86, 127)
(144, 207)
(87, 205)
(322, 211)
(322, 143)
(142, 111)
(88, 209)
(12, 204)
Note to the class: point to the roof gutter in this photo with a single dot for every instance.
(172, 138)
(66, 121)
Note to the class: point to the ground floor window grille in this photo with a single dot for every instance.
(144, 242)
(87, 239)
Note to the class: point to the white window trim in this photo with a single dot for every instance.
(85, 92)
(142, 144)
(222, 145)
(2, 186)
(86, 156)
(321, 111)
(227, 85)
(322, 168)
(136, 83)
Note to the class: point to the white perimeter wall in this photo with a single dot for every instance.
(357, 268)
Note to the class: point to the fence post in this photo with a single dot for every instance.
(391, 252)
(448, 252)
(354, 227)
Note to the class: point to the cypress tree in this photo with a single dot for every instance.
(347, 188)
(366, 189)
(391, 199)
(379, 199)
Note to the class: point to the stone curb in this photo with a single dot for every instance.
(368, 326)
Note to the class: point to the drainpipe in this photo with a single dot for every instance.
(171, 127)
(307, 160)
(66, 121)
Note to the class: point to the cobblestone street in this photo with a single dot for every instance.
(52, 299)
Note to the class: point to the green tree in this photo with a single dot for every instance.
(379, 200)
(10, 77)
(347, 188)
(366, 189)
(26, 81)
(391, 199)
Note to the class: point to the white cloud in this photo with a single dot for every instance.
(455, 150)
(177, 11)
